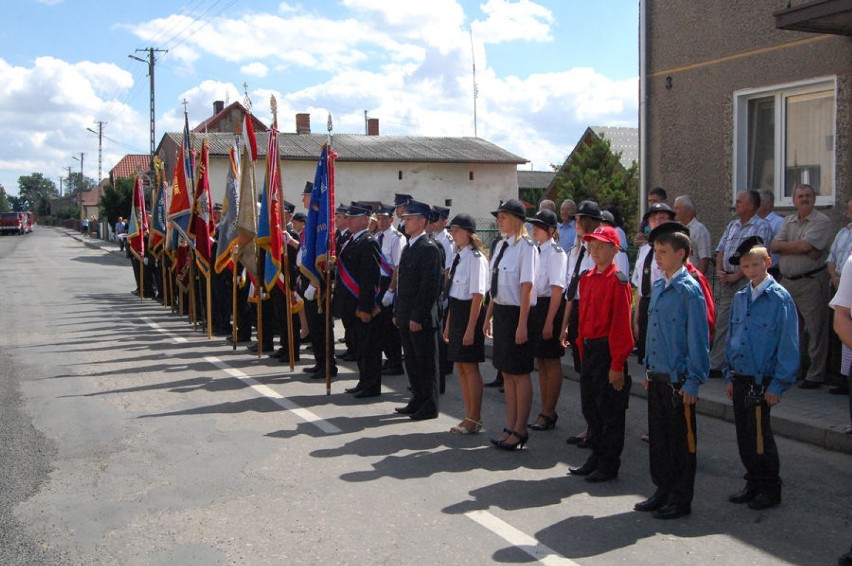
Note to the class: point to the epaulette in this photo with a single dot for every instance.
(557, 247)
(622, 278)
(528, 240)
(476, 253)
(397, 233)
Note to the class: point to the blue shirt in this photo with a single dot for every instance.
(678, 336)
(567, 235)
(763, 337)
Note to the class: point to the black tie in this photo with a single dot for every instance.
(646, 274)
(496, 272)
(571, 292)
(456, 261)
(381, 238)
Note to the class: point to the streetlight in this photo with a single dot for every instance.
(100, 134)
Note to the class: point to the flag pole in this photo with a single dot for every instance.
(330, 262)
(209, 303)
(234, 300)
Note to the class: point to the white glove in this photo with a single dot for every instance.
(310, 293)
(145, 260)
(387, 299)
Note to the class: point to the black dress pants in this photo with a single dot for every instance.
(421, 358)
(369, 354)
(672, 463)
(762, 470)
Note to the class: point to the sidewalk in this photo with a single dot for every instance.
(811, 416)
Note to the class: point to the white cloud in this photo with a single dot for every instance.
(46, 108)
(510, 21)
(255, 69)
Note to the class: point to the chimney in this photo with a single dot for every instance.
(373, 127)
(303, 123)
(218, 106)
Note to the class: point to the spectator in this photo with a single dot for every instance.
(547, 204)
(655, 196)
(618, 224)
(730, 277)
(767, 212)
(803, 243)
(701, 249)
(120, 228)
(567, 228)
(837, 255)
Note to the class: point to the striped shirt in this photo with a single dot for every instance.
(736, 232)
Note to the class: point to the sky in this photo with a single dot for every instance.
(545, 70)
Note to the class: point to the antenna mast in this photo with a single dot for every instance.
(475, 88)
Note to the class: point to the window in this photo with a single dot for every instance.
(784, 137)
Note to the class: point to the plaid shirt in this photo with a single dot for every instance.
(736, 232)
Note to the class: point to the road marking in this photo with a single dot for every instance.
(519, 539)
(257, 387)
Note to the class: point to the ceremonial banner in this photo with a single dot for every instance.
(315, 252)
(247, 213)
(230, 206)
(180, 208)
(269, 235)
(138, 228)
(201, 225)
(158, 224)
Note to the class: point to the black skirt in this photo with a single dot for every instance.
(551, 348)
(456, 350)
(507, 356)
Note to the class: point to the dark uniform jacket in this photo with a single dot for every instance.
(418, 285)
(359, 259)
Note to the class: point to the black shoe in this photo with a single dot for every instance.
(584, 470)
(765, 500)
(549, 422)
(348, 357)
(584, 443)
(520, 442)
(744, 496)
(423, 415)
(672, 512)
(321, 373)
(846, 559)
(395, 370)
(305, 340)
(496, 383)
(355, 389)
(252, 347)
(279, 353)
(135, 292)
(285, 359)
(599, 476)
(840, 390)
(575, 439)
(810, 384)
(313, 369)
(363, 393)
(656, 501)
(406, 410)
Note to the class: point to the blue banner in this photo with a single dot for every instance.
(316, 230)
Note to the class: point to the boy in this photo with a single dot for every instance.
(761, 361)
(677, 358)
(604, 342)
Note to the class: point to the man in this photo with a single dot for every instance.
(391, 242)
(280, 298)
(547, 204)
(730, 277)
(358, 276)
(220, 285)
(767, 212)
(120, 229)
(657, 195)
(342, 236)
(567, 229)
(416, 311)
(437, 230)
(400, 200)
(803, 243)
(699, 235)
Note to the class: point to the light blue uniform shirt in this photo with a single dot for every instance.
(763, 336)
(567, 235)
(678, 336)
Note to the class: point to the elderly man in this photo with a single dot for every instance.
(803, 243)
(702, 246)
(567, 228)
(729, 276)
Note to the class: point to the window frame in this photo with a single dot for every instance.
(779, 93)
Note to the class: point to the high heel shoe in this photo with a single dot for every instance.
(497, 441)
(519, 444)
(549, 422)
(460, 429)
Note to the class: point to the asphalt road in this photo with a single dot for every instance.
(126, 437)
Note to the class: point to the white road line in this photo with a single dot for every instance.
(258, 388)
(519, 539)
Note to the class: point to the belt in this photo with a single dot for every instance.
(659, 377)
(808, 274)
(594, 341)
(764, 381)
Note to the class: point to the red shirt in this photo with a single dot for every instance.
(708, 297)
(605, 301)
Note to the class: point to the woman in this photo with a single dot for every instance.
(546, 316)
(513, 271)
(466, 287)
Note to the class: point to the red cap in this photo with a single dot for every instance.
(604, 234)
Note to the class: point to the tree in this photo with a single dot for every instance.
(77, 182)
(116, 199)
(4, 200)
(35, 192)
(593, 172)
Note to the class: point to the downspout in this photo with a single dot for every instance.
(643, 107)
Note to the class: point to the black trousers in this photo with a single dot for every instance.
(220, 286)
(369, 353)
(571, 335)
(762, 470)
(279, 304)
(391, 345)
(421, 365)
(316, 326)
(672, 463)
(603, 407)
(245, 310)
(642, 323)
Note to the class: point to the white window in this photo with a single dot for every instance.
(784, 137)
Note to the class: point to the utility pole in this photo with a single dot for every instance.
(100, 134)
(80, 159)
(151, 61)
